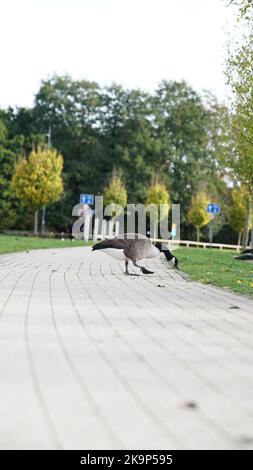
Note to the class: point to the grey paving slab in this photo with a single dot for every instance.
(92, 359)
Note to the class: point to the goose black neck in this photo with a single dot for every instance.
(165, 251)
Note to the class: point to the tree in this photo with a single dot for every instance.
(197, 214)
(97, 129)
(115, 193)
(237, 211)
(157, 193)
(186, 128)
(240, 79)
(171, 133)
(8, 214)
(245, 8)
(37, 180)
(128, 139)
(73, 110)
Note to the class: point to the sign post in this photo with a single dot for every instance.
(212, 209)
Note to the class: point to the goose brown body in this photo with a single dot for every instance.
(134, 247)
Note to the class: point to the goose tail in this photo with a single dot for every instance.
(99, 246)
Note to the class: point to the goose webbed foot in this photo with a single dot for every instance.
(127, 273)
(146, 271)
(143, 270)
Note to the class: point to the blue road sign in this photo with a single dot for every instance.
(213, 208)
(86, 199)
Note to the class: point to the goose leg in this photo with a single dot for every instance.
(143, 270)
(127, 273)
(176, 264)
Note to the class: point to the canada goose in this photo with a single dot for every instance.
(134, 247)
(246, 255)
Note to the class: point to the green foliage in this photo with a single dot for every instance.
(172, 133)
(8, 214)
(98, 129)
(115, 193)
(245, 8)
(240, 78)
(187, 128)
(238, 209)
(240, 159)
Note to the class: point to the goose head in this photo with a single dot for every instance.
(168, 255)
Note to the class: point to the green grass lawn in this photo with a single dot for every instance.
(10, 243)
(218, 267)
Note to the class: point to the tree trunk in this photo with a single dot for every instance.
(198, 234)
(239, 238)
(246, 228)
(36, 223)
(43, 219)
(251, 240)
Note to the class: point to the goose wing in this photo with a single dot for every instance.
(116, 243)
(138, 249)
(132, 236)
(135, 245)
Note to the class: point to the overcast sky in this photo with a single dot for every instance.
(133, 42)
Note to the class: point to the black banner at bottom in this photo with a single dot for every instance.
(125, 458)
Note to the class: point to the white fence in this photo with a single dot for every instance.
(110, 229)
(189, 243)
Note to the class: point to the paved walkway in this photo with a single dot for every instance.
(92, 359)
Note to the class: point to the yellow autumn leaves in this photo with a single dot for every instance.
(37, 179)
(115, 192)
(157, 194)
(198, 215)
